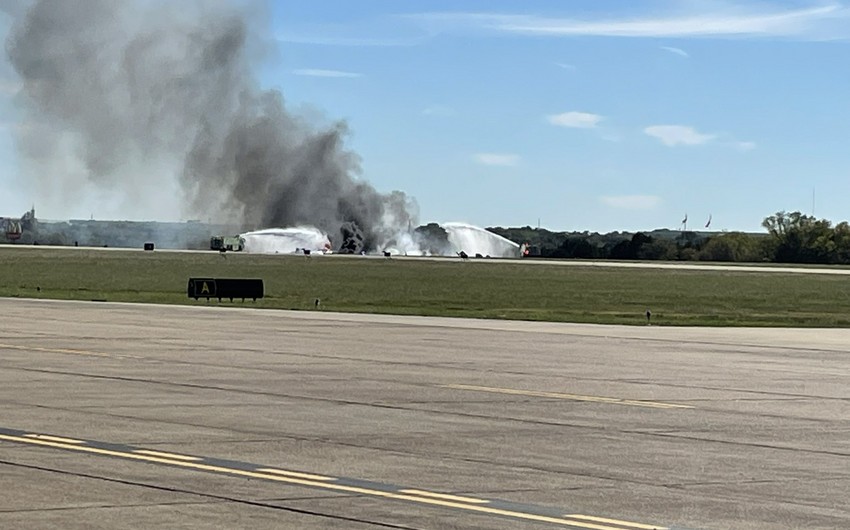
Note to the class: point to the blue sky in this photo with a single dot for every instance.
(588, 115)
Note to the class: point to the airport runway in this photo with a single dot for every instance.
(121, 416)
(648, 264)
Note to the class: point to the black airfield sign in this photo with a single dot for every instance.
(225, 288)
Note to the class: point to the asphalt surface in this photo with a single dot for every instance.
(127, 416)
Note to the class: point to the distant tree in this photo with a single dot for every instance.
(630, 249)
(791, 237)
(688, 240)
(799, 238)
(688, 254)
(733, 246)
(575, 247)
(658, 249)
(544, 242)
(841, 237)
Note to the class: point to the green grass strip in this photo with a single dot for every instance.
(477, 289)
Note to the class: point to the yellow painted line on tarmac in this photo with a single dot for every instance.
(313, 484)
(571, 397)
(444, 496)
(296, 474)
(166, 455)
(53, 350)
(618, 522)
(54, 438)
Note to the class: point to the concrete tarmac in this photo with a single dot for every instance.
(132, 416)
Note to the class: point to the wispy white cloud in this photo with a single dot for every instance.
(673, 135)
(497, 159)
(710, 19)
(566, 66)
(578, 120)
(678, 51)
(318, 72)
(745, 146)
(631, 202)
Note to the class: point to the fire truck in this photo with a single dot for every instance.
(12, 228)
(227, 243)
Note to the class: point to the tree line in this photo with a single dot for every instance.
(790, 238)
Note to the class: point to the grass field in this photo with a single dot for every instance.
(509, 290)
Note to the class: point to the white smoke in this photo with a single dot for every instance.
(462, 237)
(404, 244)
(286, 240)
(474, 240)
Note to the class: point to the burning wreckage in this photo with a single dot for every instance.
(447, 239)
(234, 152)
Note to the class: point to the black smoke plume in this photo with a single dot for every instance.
(146, 99)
